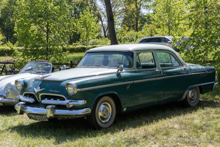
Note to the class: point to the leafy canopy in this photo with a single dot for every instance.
(42, 27)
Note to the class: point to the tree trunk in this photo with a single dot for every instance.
(47, 49)
(111, 25)
(137, 15)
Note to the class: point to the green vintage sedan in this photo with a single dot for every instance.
(115, 79)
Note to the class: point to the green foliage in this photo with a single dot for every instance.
(87, 26)
(170, 17)
(204, 20)
(7, 22)
(133, 19)
(101, 41)
(128, 36)
(7, 50)
(1, 38)
(42, 27)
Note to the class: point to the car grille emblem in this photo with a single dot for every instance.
(38, 89)
(53, 91)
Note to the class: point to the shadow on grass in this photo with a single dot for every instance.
(7, 110)
(70, 130)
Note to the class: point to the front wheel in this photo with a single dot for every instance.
(192, 98)
(103, 113)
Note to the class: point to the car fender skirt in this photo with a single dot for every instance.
(203, 87)
(50, 111)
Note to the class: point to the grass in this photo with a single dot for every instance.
(166, 125)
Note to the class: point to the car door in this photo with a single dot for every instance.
(147, 87)
(175, 75)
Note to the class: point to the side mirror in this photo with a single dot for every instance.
(120, 68)
(169, 42)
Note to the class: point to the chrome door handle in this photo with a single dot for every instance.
(160, 70)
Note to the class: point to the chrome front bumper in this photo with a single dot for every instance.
(50, 111)
(6, 101)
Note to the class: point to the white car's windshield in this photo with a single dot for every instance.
(107, 59)
(37, 68)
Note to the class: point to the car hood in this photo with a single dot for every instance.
(11, 78)
(78, 73)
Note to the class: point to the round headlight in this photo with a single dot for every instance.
(19, 84)
(7, 88)
(71, 89)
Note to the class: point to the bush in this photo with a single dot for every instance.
(102, 41)
(4, 51)
(7, 51)
(129, 37)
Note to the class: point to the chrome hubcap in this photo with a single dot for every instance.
(193, 95)
(105, 112)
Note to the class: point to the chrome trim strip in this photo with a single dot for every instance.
(25, 99)
(146, 80)
(137, 81)
(183, 75)
(104, 86)
(6, 100)
(201, 84)
(197, 73)
(51, 95)
(67, 103)
(50, 111)
(184, 95)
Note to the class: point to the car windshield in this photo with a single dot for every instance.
(37, 68)
(107, 59)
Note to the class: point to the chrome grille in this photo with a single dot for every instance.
(31, 95)
(53, 97)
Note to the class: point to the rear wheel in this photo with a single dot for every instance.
(192, 98)
(103, 113)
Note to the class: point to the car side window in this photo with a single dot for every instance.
(155, 40)
(164, 40)
(145, 60)
(144, 40)
(167, 60)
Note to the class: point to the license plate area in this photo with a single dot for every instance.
(37, 117)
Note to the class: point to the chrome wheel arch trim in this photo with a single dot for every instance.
(193, 86)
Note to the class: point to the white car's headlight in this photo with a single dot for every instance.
(71, 88)
(19, 84)
(7, 88)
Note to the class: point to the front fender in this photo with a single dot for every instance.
(103, 94)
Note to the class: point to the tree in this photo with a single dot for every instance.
(1, 38)
(100, 11)
(88, 26)
(133, 19)
(7, 22)
(111, 24)
(204, 19)
(43, 27)
(170, 17)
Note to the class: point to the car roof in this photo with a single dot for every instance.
(130, 47)
(157, 37)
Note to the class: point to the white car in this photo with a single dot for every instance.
(8, 91)
(165, 40)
